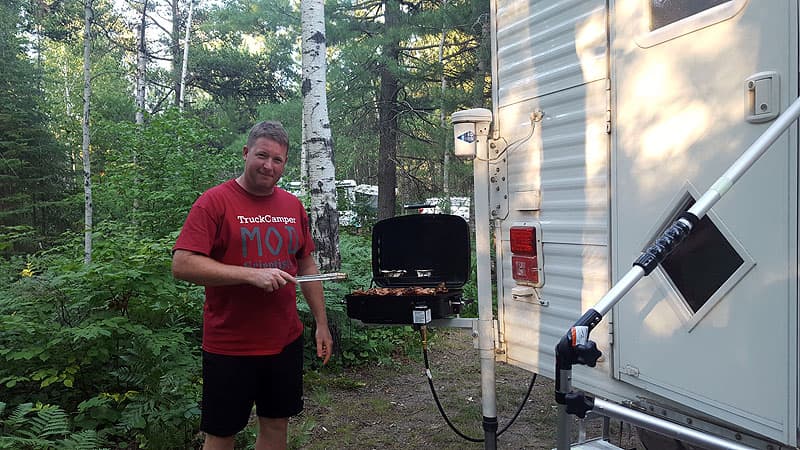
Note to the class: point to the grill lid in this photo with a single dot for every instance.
(421, 250)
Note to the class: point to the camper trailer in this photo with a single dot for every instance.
(610, 119)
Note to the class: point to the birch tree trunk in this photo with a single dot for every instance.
(73, 156)
(184, 64)
(141, 67)
(324, 215)
(303, 162)
(141, 94)
(87, 93)
(175, 50)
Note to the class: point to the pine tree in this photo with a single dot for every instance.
(389, 80)
(33, 168)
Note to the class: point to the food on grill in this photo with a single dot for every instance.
(400, 291)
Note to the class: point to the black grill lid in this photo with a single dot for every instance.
(404, 245)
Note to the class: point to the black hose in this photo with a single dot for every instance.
(424, 334)
(436, 397)
(522, 405)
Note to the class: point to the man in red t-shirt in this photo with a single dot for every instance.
(245, 240)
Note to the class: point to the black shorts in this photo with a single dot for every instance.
(231, 384)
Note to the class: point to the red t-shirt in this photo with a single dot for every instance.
(235, 227)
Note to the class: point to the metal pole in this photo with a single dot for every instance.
(619, 290)
(665, 427)
(562, 426)
(485, 312)
(748, 158)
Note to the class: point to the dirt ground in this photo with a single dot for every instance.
(392, 407)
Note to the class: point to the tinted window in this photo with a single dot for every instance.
(702, 263)
(665, 12)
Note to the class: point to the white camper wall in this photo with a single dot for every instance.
(674, 103)
(552, 55)
(679, 122)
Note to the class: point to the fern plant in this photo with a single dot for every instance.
(39, 426)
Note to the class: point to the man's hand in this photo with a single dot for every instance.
(271, 279)
(324, 343)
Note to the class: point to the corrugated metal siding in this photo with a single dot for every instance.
(545, 46)
(532, 331)
(548, 54)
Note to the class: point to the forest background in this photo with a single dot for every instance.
(116, 115)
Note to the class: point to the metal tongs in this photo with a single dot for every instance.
(321, 277)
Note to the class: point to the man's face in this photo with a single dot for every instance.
(264, 163)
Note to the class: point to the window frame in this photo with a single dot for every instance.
(716, 14)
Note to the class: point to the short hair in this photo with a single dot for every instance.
(271, 130)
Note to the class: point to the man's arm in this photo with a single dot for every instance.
(315, 297)
(200, 269)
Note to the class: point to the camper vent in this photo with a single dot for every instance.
(702, 263)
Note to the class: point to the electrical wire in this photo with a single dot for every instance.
(536, 116)
(424, 333)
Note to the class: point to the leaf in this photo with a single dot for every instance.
(49, 380)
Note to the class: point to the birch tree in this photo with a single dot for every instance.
(141, 66)
(141, 87)
(87, 93)
(185, 62)
(175, 50)
(317, 140)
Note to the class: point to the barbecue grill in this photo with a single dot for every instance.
(418, 261)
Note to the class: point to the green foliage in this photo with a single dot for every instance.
(300, 435)
(40, 426)
(33, 164)
(115, 343)
(151, 175)
(249, 59)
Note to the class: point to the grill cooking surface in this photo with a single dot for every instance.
(441, 289)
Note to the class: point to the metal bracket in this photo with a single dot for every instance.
(454, 322)
(528, 294)
(498, 179)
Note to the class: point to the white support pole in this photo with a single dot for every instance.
(471, 134)
(485, 311)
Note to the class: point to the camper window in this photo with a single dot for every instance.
(702, 264)
(663, 20)
(665, 12)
